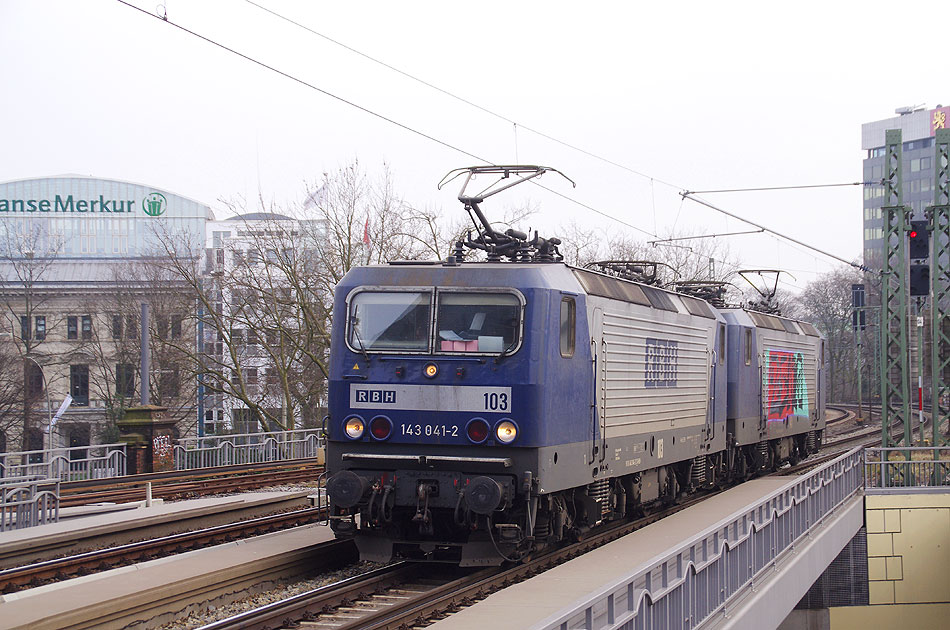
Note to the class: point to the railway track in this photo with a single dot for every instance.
(841, 415)
(37, 574)
(403, 595)
(189, 483)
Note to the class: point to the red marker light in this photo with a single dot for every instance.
(913, 233)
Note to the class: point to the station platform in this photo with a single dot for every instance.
(529, 603)
(182, 583)
(93, 526)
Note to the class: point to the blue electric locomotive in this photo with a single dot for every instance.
(482, 410)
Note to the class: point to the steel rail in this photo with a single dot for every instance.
(180, 485)
(410, 606)
(57, 569)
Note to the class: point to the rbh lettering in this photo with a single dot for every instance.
(376, 396)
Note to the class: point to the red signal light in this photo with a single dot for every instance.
(913, 233)
(477, 430)
(381, 427)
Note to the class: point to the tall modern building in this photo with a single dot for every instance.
(917, 125)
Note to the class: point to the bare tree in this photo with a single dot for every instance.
(265, 296)
(689, 259)
(27, 254)
(826, 302)
(114, 345)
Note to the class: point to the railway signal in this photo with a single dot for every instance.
(918, 240)
(920, 280)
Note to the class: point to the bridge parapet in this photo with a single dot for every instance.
(899, 470)
(712, 579)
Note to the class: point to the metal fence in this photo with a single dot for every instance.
(899, 469)
(99, 461)
(692, 584)
(246, 448)
(28, 501)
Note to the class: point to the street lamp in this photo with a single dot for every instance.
(49, 405)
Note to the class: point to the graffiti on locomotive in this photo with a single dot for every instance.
(786, 387)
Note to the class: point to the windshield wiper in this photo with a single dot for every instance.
(354, 324)
(504, 353)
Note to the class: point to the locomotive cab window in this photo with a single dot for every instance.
(478, 322)
(390, 321)
(568, 320)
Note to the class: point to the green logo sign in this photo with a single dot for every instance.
(154, 204)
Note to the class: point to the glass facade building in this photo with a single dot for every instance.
(917, 134)
(86, 217)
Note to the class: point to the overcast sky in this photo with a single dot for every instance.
(691, 95)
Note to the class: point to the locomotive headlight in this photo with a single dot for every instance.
(354, 427)
(506, 431)
(431, 370)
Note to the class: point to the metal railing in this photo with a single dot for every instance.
(246, 448)
(902, 469)
(28, 501)
(691, 584)
(79, 463)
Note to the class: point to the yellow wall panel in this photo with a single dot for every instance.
(877, 568)
(881, 592)
(874, 520)
(880, 544)
(909, 616)
(892, 520)
(909, 563)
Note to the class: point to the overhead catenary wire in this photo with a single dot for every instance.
(305, 83)
(766, 188)
(547, 136)
(689, 195)
(461, 99)
(367, 110)
(448, 145)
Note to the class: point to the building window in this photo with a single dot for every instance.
(72, 327)
(40, 327)
(131, 327)
(176, 326)
(117, 327)
(79, 384)
(271, 376)
(568, 321)
(87, 237)
(125, 380)
(915, 165)
(87, 327)
(250, 376)
(34, 381)
(169, 384)
(25, 327)
(924, 163)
